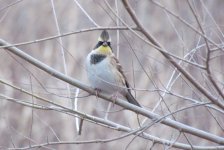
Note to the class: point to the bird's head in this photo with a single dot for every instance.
(104, 44)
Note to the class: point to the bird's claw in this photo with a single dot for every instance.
(97, 91)
(114, 98)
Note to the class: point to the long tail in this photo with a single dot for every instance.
(131, 99)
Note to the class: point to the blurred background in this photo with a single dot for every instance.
(147, 70)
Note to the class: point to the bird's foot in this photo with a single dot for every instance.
(97, 91)
(114, 97)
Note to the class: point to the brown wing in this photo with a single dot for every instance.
(124, 82)
(121, 76)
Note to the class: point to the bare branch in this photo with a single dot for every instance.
(144, 112)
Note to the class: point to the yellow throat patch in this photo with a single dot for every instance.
(104, 50)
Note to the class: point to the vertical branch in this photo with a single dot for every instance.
(64, 62)
(118, 33)
(77, 123)
(31, 126)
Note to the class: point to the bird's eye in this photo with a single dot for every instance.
(100, 43)
(108, 43)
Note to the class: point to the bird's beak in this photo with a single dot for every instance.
(105, 44)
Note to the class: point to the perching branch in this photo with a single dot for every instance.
(177, 125)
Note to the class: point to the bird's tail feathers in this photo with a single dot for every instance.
(131, 99)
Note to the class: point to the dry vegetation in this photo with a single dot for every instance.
(178, 74)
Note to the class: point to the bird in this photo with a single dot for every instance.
(104, 71)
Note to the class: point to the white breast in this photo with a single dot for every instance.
(102, 76)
